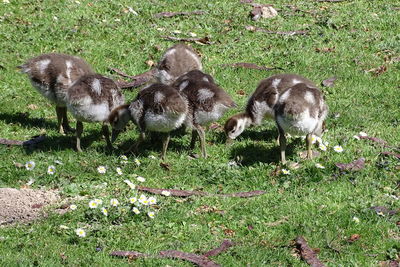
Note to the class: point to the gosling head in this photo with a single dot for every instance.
(235, 126)
(118, 119)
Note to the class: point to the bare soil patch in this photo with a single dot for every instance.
(24, 205)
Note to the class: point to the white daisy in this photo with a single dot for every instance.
(101, 169)
(119, 171)
(93, 204)
(151, 214)
(30, 165)
(322, 147)
(140, 179)
(73, 207)
(137, 162)
(313, 139)
(124, 159)
(166, 193)
(136, 210)
(132, 200)
(51, 170)
(286, 172)
(152, 157)
(356, 219)
(104, 211)
(98, 201)
(319, 166)
(130, 184)
(152, 200)
(114, 202)
(338, 149)
(80, 232)
(30, 182)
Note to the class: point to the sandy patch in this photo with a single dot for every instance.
(24, 205)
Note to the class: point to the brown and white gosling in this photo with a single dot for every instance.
(52, 74)
(261, 103)
(300, 110)
(91, 99)
(157, 108)
(207, 103)
(176, 61)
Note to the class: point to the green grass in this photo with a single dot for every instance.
(317, 203)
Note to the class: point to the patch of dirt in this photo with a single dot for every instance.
(24, 205)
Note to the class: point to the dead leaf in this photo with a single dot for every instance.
(225, 245)
(18, 165)
(325, 49)
(241, 92)
(166, 166)
(263, 11)
(173, 14)
(353, 238)
(375, 139)
(203, 40)
(276, 223)
(209, 209)
(128, 254)
(353, 166)
(387, 153)
(306, 253)
(379, 70)
(150, 63)
(229, 232)
(32, 107)
(390, 263)
(199, 260)
(383, 210)
(37, 206)
(215, 126)
(248, 66)
(330, 82)
(290, 33)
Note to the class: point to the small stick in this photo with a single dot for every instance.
(307, 254)
(33, 141)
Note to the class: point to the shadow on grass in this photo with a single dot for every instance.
(26, 121)
(65, 142)
(255, 152)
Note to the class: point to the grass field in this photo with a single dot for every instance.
(351, 40)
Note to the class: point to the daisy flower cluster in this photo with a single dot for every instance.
(30, 166)
(131, 203)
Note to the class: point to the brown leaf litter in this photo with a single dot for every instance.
(199, 260)
(306, 253)
(356, 165)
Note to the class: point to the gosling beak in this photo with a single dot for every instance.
(114, 135)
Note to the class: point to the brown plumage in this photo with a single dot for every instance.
(261, 103)
(52, 74)
(176, 61)
(92, 98)
(207, 103)
(156, 108)
(300, 110)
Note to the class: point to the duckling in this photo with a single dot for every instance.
(207, 103)
(300, 110)
(91, 99)
(52, 74)
(261, 103)
(156, 108)
(177, 60)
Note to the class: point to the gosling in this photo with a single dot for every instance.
(52, 75)
(300, 110)
(207, 103)
(91, 99)
(156, 108)
(261, 103)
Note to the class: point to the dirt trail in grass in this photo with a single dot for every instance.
(23, 205)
